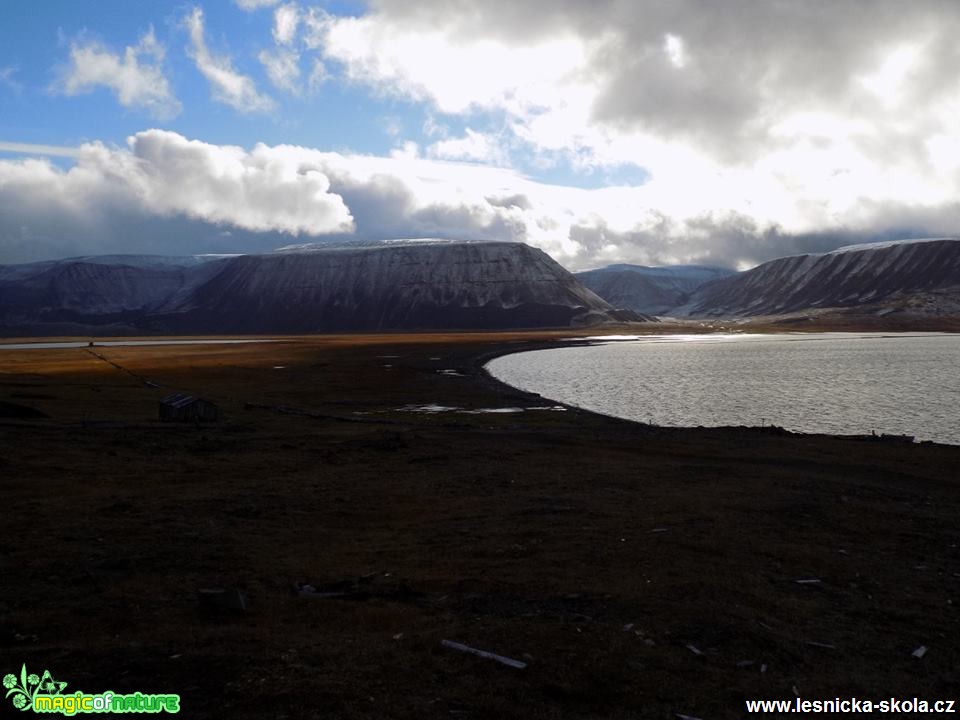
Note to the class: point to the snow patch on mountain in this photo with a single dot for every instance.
(888, 244)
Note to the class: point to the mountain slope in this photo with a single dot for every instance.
(387, 286)
(918, 275)
(654, 290)
(363, 286)
(95, 289)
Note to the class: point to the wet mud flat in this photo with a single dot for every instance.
(634, 571)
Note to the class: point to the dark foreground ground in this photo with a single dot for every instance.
(640, 572)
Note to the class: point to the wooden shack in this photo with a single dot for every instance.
(180, 407)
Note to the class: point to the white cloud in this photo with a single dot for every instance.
(130, 196)
(161, 176)
(454, 72)
(282, 63)
(764, 128)
(673, 47)
(725, 105)
(473, 147)
(35, 149)
(136, 76)
(283, 68)
(318, 75)
(249, 5)
(285, 21)
(229, 86)
(6, 78)
(260, 189)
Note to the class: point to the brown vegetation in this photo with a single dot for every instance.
(595, 550)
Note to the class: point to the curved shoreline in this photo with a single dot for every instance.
(482, 362)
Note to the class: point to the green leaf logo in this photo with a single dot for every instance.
(26, 688)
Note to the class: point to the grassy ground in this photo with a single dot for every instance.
(640, 572)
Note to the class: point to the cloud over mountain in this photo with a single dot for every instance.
(790, 117)
(126, 199)
(649, 132)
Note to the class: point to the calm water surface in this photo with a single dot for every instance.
(905, 383)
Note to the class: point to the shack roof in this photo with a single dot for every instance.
(179, 400)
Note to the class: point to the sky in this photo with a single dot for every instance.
(645, 131)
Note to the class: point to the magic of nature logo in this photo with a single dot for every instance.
(43, 694)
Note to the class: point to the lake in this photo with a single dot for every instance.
(839, 383)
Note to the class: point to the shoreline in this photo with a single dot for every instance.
(483, 360)
(544, 339)
(595, 550)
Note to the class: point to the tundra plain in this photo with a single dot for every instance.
(637, 571)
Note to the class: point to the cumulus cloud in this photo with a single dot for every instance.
(473, 146)
(136, 77)
(712, 74)
(454, 71)
(260, 189)
(766, 122)
(229, 86)
(754, 129)
(160, 179)
(166, 193)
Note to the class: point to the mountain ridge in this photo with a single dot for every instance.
(403, 286)
(653, 290)
(921, 276)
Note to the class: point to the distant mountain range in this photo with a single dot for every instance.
(651, 290)
(372, 286)
(447, 285)
(909, 276)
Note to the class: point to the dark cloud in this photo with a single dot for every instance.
(745, 62)
(104, 205)
(763, 128)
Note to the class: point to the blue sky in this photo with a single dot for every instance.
(36, 45)
(609, 132)
(339, 115)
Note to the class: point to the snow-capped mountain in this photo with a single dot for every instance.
(384, 286)
(921, 276)
(367, 286)
(95, 290)
(653, 290)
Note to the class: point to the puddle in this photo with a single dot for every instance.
(429, 408)
(432, 408)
